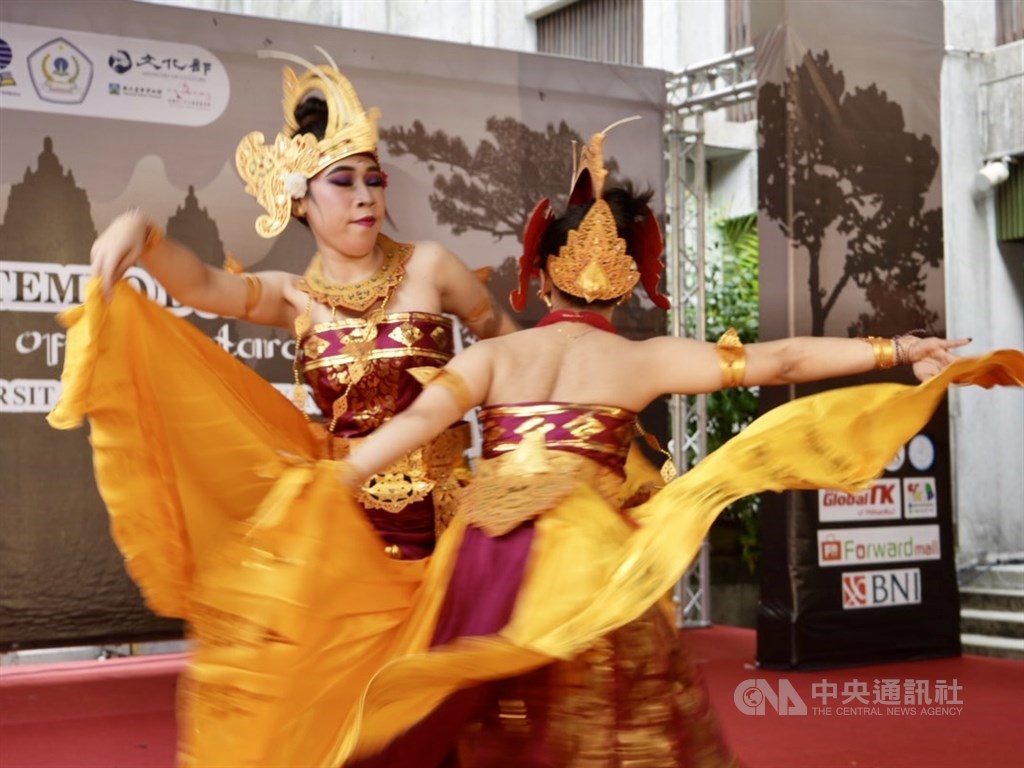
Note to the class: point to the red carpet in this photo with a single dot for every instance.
(986, 732)
(119, 713)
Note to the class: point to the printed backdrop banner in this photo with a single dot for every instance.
(109, 104)
(850, 228)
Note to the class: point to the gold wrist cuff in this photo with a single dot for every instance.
(255, 292)
(732, 357)
(884, 349)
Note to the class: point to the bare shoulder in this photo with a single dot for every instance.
(665, 345)
(429, 253)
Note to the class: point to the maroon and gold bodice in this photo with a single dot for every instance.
(602, 434)
(412, 500)
(331, 352)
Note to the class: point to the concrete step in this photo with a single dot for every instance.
(994, 576)
(992, 598)
(91, 652)
(1001, 647)
(979, 621)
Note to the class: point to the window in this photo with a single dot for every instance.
(1009, 21)
(601, 30)
(737, 37)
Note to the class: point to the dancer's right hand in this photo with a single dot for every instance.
(118, 248)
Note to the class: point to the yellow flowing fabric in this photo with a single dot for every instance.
(311, 643)
(226, 520)
(591, 573)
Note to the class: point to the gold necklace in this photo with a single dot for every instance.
(569, 339)
(358, 297)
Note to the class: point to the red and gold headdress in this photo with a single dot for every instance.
(593, 264)
(275, 174)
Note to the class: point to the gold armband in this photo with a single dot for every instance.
(252, 297)
(732, 357)
(455, 384)
(884, 349)
(482, 310)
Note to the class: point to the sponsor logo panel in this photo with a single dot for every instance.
(881, 501)
(82, 73)
(876, 589)
(920, 499)
(889, 544)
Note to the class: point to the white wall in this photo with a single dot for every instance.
(491, 23)
(983, 301)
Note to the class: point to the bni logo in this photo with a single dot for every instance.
(755, 696)
(877, 589)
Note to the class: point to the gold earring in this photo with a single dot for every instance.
(544, 297)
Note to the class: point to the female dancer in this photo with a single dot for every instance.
(537, 639)
(186, 439)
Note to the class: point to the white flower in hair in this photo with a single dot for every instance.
(295, 184)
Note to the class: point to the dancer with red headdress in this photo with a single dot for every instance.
(541, 636)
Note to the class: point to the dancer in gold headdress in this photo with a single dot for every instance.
(188, 442)
(538, 639)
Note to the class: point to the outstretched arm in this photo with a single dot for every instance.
(465, 294)
(133, 237)
(693, 367)
(440, 405)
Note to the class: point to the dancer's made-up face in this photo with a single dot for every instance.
(345, 204)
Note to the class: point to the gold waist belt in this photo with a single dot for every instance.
(437, 469)
(518, 486)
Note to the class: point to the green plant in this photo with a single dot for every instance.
(732, 301)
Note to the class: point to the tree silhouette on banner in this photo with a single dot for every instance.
(834, 162)
(494, 188)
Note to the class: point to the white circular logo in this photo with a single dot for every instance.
(921, 452)
(897, 460)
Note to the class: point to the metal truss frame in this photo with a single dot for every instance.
(692, 93)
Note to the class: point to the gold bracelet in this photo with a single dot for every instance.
(899, 352)
(884, 349)
(255, 291)
(732, 357)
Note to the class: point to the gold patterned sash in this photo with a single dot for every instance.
(438, 469)
(519, 485)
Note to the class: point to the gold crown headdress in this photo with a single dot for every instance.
(275, 174)
(593, 264)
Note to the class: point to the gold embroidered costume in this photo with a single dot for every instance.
(585, 600)
(212, 482)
